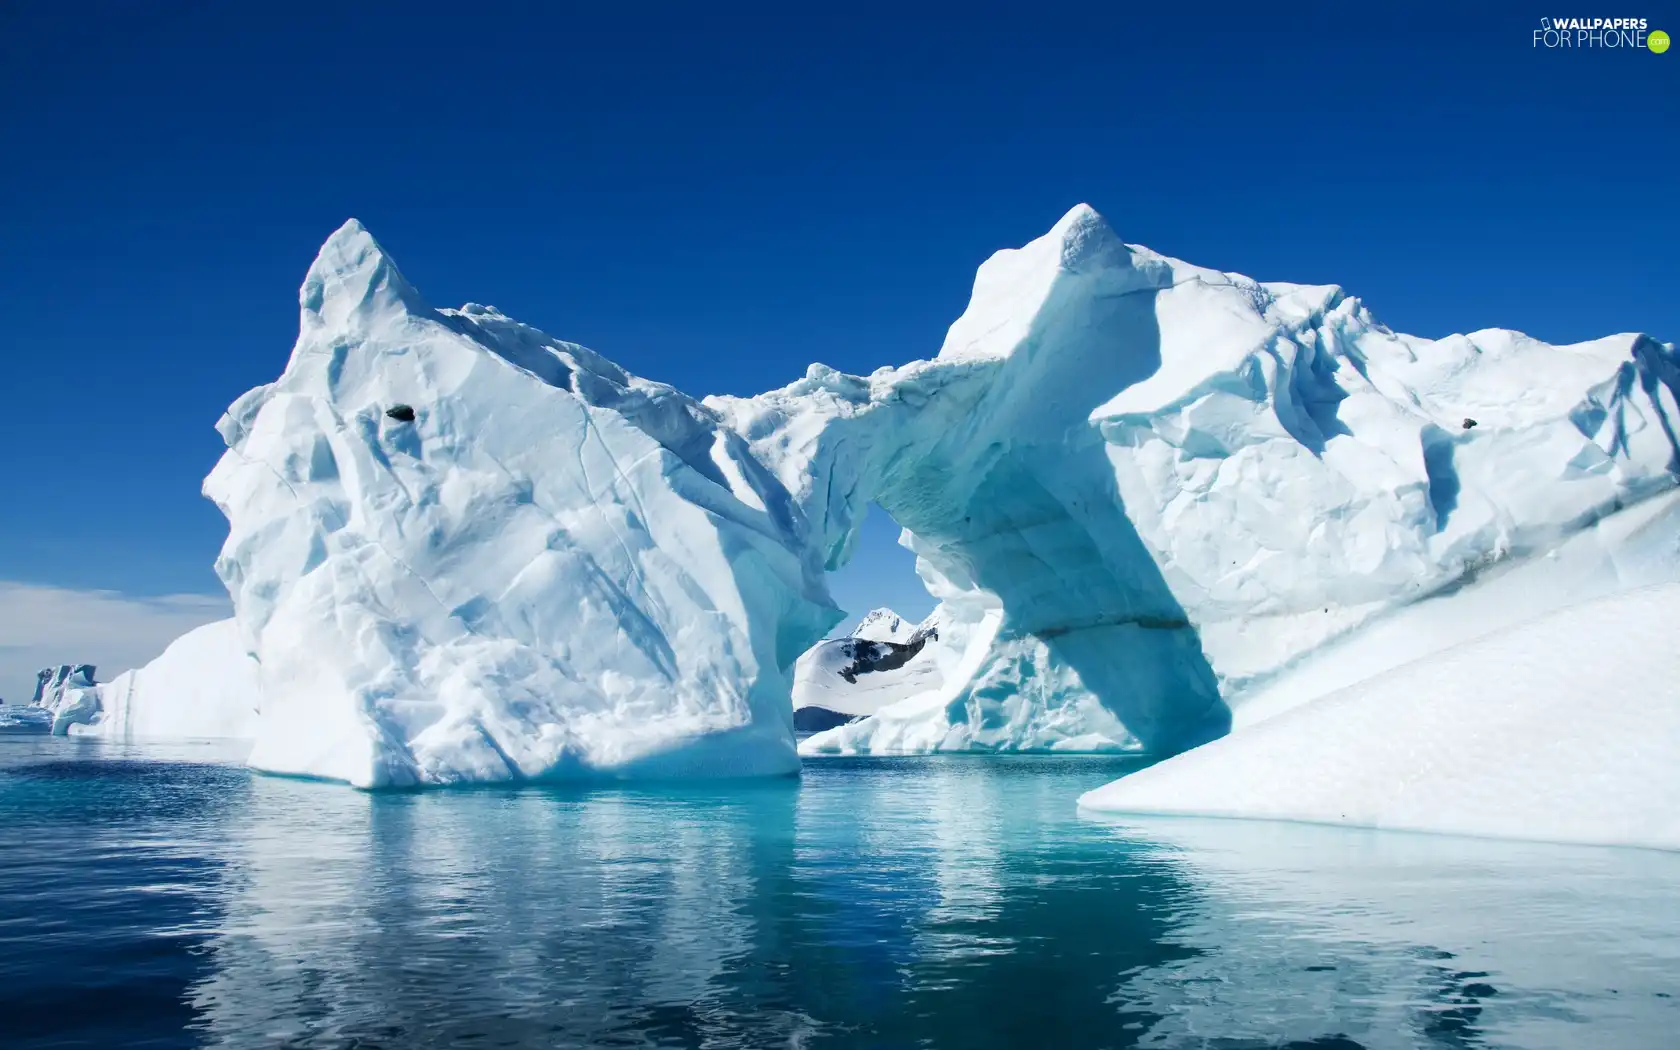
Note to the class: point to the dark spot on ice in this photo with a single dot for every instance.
(1469, 423)
(815, 719)
(401, 413)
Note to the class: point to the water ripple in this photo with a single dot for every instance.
(936, 902)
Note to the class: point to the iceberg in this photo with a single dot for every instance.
(67, 693)
(203, 685)
(460, 551)
(1562, 729)
(1145, 491)
(885, 659)
(1151, 499)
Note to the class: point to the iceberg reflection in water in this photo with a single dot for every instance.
(957, 901)
(1410, 939)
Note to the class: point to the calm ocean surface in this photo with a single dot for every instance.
(169, 898)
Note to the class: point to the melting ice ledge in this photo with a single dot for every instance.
(1154, 501)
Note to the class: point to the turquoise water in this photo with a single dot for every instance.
(943, 902)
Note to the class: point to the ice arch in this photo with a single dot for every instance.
(1138, 487)
(1064, 627)
(1141, 488)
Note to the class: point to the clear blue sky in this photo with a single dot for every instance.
(716, 196)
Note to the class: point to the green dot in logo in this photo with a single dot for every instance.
(1657, 42)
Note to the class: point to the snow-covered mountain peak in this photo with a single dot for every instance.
(883, 625)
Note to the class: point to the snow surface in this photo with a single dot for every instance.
(1142, 489)
(553, 569)
(1564, 729)
(1636, 547)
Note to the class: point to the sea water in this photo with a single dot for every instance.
(168, 897)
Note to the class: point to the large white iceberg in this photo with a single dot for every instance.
(1564, 729)
(1143, 492)
(1142, 489)
(461, 550)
